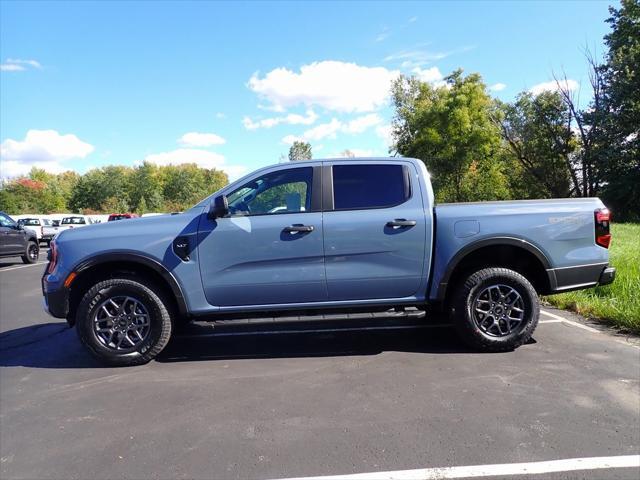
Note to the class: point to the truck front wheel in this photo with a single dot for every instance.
(495, 310)
(123, 322)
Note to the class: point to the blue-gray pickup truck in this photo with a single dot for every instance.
(325, 235)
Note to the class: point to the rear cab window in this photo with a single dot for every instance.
(357, 187)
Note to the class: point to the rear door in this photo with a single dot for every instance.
(375, 230)
(268, 250)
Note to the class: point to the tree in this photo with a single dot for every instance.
(451, 129)
(538, 132)
(347, 154)
(300, 151)
(621, 131)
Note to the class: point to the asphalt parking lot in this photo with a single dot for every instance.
(311, 403)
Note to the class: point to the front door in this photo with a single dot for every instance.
(375, 232)
(268, 250)
(11, 239)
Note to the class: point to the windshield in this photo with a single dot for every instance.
(73, 221)
(29, 221)
(118, 217)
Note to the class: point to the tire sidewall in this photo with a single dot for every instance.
(89, 305)
(26, 257)
(464, 305)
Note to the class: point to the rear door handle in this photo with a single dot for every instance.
(401, 223)
(298, 228)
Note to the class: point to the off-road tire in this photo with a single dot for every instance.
(153, 300)
(463, 305)
(27, 257)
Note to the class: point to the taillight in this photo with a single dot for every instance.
(53, 257)
(602, 218)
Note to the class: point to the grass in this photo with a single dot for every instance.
(619, 303)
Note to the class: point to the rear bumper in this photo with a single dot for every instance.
(583, 276)
(607, 276)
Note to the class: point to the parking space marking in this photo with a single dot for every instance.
(570, 322)
(21, 266)
(475, 471)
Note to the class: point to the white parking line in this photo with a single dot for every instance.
(530, 468)
(569, 322)
(21, 266)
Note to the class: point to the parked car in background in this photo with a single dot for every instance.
(74, 221)
(325, 235)
(42, 226)
(16, 241)
(121, 216)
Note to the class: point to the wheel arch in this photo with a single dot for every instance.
(107, 265)
(507, 252)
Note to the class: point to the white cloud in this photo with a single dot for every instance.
(202, 158)
(413, 19)
(553, 86)
(10, 67)
(363, 123)
(430, 75)
(383, 35)
(334, 85)
(355, 152)
(18, 65)
(497, 87)
(331, 129)
(220, 115)
(291, 119)
(197, 139)
(41, 148)
(385, 133)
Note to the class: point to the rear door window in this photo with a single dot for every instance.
(369, 186)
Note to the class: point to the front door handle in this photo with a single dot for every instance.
(298, 228)
(401, 223)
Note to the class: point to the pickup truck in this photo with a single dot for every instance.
(17, 241)
(325, 236)
(42, 227)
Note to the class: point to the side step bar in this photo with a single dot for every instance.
(405, 318)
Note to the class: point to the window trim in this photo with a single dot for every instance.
(316, 193)
(328, 194)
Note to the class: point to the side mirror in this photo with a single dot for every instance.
(219, 207)
(19, 227)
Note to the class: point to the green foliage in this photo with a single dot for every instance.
(622, 104)
(111, 189)
(300, 151)
(537, 131)
(451, 129)
(619, 302)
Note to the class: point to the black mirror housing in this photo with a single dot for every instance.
(219, 207)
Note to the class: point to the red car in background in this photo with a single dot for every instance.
(121, 216)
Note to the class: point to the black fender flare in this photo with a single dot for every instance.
(137, 257)
(488, 242)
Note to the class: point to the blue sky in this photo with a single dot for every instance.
(231, 84)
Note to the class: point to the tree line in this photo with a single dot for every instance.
(111, 189)
(538, 146)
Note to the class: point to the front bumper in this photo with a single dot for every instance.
(56, 300)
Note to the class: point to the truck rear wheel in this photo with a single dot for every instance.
(123, 322)
(495, 310)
